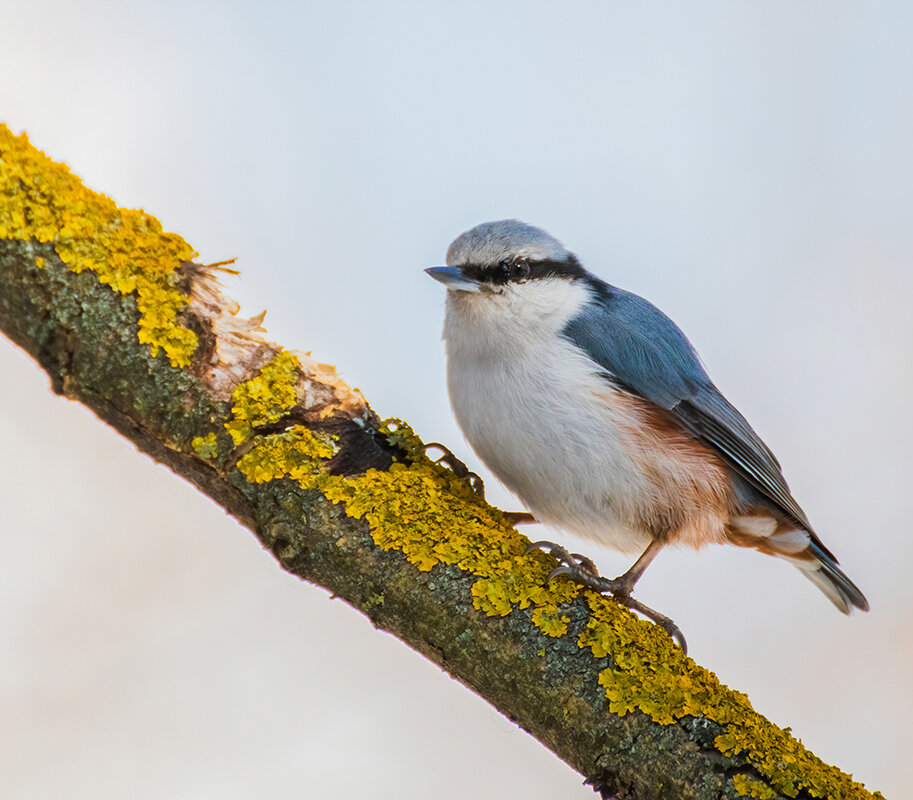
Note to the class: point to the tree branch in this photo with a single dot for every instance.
(122, 319)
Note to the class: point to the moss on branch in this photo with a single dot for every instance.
(121, 319)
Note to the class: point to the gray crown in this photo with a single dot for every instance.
(493, 242)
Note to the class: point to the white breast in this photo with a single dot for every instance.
(534, 409)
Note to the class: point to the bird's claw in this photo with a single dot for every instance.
(578, 568)
(457, 467)
(554, 549)
(586, 563)
(662, 620)
(582, 570)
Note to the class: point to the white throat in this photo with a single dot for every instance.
(511, 321)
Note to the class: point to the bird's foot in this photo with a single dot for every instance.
(457, 467)
(660, 619)
(581, 569)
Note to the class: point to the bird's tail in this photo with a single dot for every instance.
(822, 570)
(806, 553)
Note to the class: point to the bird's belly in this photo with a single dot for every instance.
(586, 457)
(546, 431)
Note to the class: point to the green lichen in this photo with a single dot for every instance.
(750, 787)
(127, 249)
(265, 398)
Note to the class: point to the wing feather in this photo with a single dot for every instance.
(642, 350)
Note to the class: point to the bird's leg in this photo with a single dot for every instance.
(582, 570)
(628, 579)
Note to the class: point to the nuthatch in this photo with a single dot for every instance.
(591, 405)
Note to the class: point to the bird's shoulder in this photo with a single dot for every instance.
(641, 347)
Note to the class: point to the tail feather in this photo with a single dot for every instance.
(830, 579)
(804, 551)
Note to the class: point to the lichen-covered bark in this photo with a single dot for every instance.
(353, 504)
(84, 336)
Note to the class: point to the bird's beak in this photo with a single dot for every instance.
(453, 278)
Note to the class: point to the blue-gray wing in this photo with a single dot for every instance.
(643, 351)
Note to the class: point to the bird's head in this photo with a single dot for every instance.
(508, 273)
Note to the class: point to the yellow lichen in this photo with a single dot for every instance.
(126, 249)
(411, 508)
(749, 787)
(265, 398)
(206, 446)
(416, 508)
(39, 262)
(294, 454)
(649, 675)
(547, 619)
(433, 517)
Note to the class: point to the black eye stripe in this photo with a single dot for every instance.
(515, 270)
(519, 270)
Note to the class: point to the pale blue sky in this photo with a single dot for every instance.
(746, 166)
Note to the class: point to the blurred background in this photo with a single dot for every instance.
(745, 166)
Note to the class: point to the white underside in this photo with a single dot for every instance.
(535, 412)
(570, 471)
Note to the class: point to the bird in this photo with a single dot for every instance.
(591, 405)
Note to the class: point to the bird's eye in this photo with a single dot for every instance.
(519, 271)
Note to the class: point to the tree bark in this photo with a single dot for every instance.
(353, 504)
